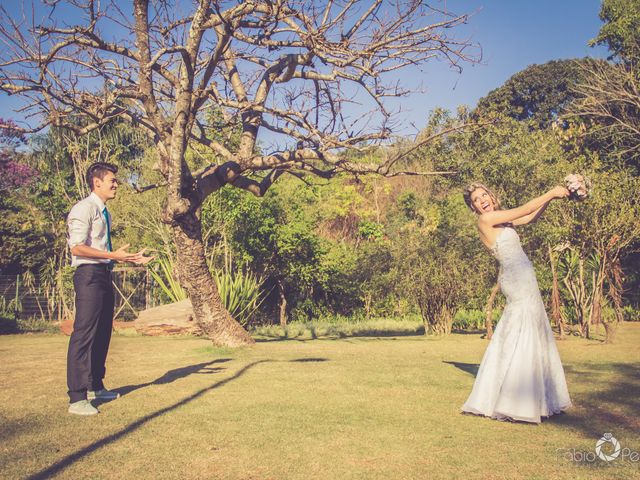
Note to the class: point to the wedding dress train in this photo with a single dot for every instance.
(521, 375)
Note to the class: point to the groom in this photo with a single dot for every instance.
(89, 225)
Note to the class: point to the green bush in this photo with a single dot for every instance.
(240, 291)
(469, 319)
(37, 324)
(338, 326)
(630, 314)
(473, 318)
(608, 314)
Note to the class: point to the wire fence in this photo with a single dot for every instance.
(28, 296)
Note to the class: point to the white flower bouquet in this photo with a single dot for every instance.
(578, 185)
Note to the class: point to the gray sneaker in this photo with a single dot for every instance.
(103, 394)
(82, 407)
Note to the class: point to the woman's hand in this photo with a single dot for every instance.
(560, 192)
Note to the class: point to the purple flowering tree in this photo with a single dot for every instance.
(13, 173)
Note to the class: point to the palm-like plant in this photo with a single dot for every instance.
(240, 290)
(163, 274)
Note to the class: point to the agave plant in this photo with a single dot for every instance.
(240, 291)
(163, 274)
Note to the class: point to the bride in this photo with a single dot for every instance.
(520, 377)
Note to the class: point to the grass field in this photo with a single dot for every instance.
(360, 407)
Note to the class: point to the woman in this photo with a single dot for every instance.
(520, 376)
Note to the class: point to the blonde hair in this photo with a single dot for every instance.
(472, 188)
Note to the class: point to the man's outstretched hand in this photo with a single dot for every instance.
(121, 255)
(140, 259)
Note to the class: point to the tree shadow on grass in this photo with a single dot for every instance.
(168, 377)
(176, 374)
(13, 427)
(480, 332)
(74, 457)
(612, 403)
(471, 368)
(309, 360)
(365, 332)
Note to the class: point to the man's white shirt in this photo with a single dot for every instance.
(87, 226)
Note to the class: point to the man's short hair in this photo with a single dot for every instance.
(99, 170)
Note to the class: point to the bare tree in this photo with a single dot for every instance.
(295, 68)
(609, 98)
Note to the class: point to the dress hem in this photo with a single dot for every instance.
(514, 418)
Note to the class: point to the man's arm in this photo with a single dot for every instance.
(119, 255)
(78, 222)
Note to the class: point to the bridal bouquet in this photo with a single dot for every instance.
(578, 185)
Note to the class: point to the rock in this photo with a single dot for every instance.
(172, 319)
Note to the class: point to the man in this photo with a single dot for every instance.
(89, 225)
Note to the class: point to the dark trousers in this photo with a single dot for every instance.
(92, 327)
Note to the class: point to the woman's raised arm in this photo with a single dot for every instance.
(498, 217)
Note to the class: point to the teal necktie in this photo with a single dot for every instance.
(106, 218)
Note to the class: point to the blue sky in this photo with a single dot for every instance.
(513, 34)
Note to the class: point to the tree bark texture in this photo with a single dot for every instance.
(194, 276)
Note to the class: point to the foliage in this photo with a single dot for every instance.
(538, 94)
(631, 314)
(433, 268)
(25, 241)
(163, 273)
(621, 29)
(473, 319)
(369, 247)
(608, 103)
(56, 284)
(13, 172)
(609, 95)
(240, 291)
(275, 237)
(341, 327)
(23, 235)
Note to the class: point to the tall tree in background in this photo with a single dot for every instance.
(539, 93)
(289, 67)
(609, 93)
(621, 30)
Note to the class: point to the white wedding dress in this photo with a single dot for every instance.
(520, 376)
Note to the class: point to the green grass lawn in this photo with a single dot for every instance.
(359, 407)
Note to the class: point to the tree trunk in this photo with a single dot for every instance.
(579, 298)
(556, 310)
(367, 305)
(489, 309)
(610, 329)
(283, 305)
(194, 276)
